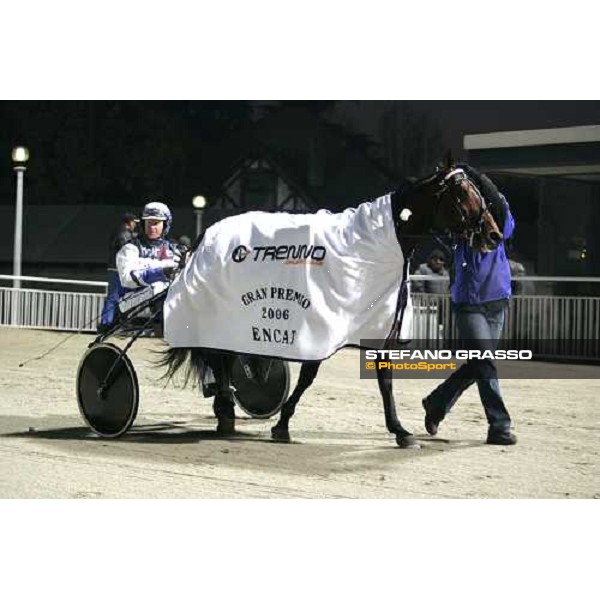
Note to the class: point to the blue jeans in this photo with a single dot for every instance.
(481, 328)
(115, 291)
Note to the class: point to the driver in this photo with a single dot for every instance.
(151, 259)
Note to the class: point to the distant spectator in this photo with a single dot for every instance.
(124, 234)
(434, 267)
(516, 270)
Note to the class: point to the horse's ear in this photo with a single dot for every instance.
(449, 159)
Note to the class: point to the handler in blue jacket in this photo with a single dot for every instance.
(480, 293)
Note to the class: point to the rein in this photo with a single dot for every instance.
(401, 304)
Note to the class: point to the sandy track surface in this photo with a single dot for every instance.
(341, 448)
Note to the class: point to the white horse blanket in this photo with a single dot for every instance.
(297, 287)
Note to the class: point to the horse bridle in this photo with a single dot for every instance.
(453, 179)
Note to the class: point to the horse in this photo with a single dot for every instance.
(445, 202)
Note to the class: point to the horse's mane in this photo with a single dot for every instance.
(409, 184)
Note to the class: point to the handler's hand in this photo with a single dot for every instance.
(486, 186)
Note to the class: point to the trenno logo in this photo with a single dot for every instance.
(240, 253)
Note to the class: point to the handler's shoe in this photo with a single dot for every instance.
(501, 438)
(431, 424)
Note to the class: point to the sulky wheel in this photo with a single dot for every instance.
(107, 390)
(261, 385)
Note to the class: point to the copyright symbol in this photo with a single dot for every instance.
(370, 366)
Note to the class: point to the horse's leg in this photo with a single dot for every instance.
(404, 438)
(308, 372)
(223, 404)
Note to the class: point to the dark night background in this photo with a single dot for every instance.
(121, 152)
(113, 156)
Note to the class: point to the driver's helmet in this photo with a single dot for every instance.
(160, 212)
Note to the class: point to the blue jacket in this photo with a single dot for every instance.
(482, 277)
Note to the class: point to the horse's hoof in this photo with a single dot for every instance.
(226, 426)
(280, 435)
(408, 442)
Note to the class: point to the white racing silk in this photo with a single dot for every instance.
(297, 287)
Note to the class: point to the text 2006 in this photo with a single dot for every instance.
(275, 313)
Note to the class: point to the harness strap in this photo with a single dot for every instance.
(440, 241)
(401, 305)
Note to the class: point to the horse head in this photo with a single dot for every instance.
(457, 207)
(464, 212)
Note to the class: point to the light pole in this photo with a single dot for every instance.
(20, 156)
(199, 204)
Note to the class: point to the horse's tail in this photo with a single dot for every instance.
(190, 359)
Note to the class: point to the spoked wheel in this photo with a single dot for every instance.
(261, 385)
(107, 390)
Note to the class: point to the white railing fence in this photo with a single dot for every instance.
(572, 323)
(552, 325)
(46, 309)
